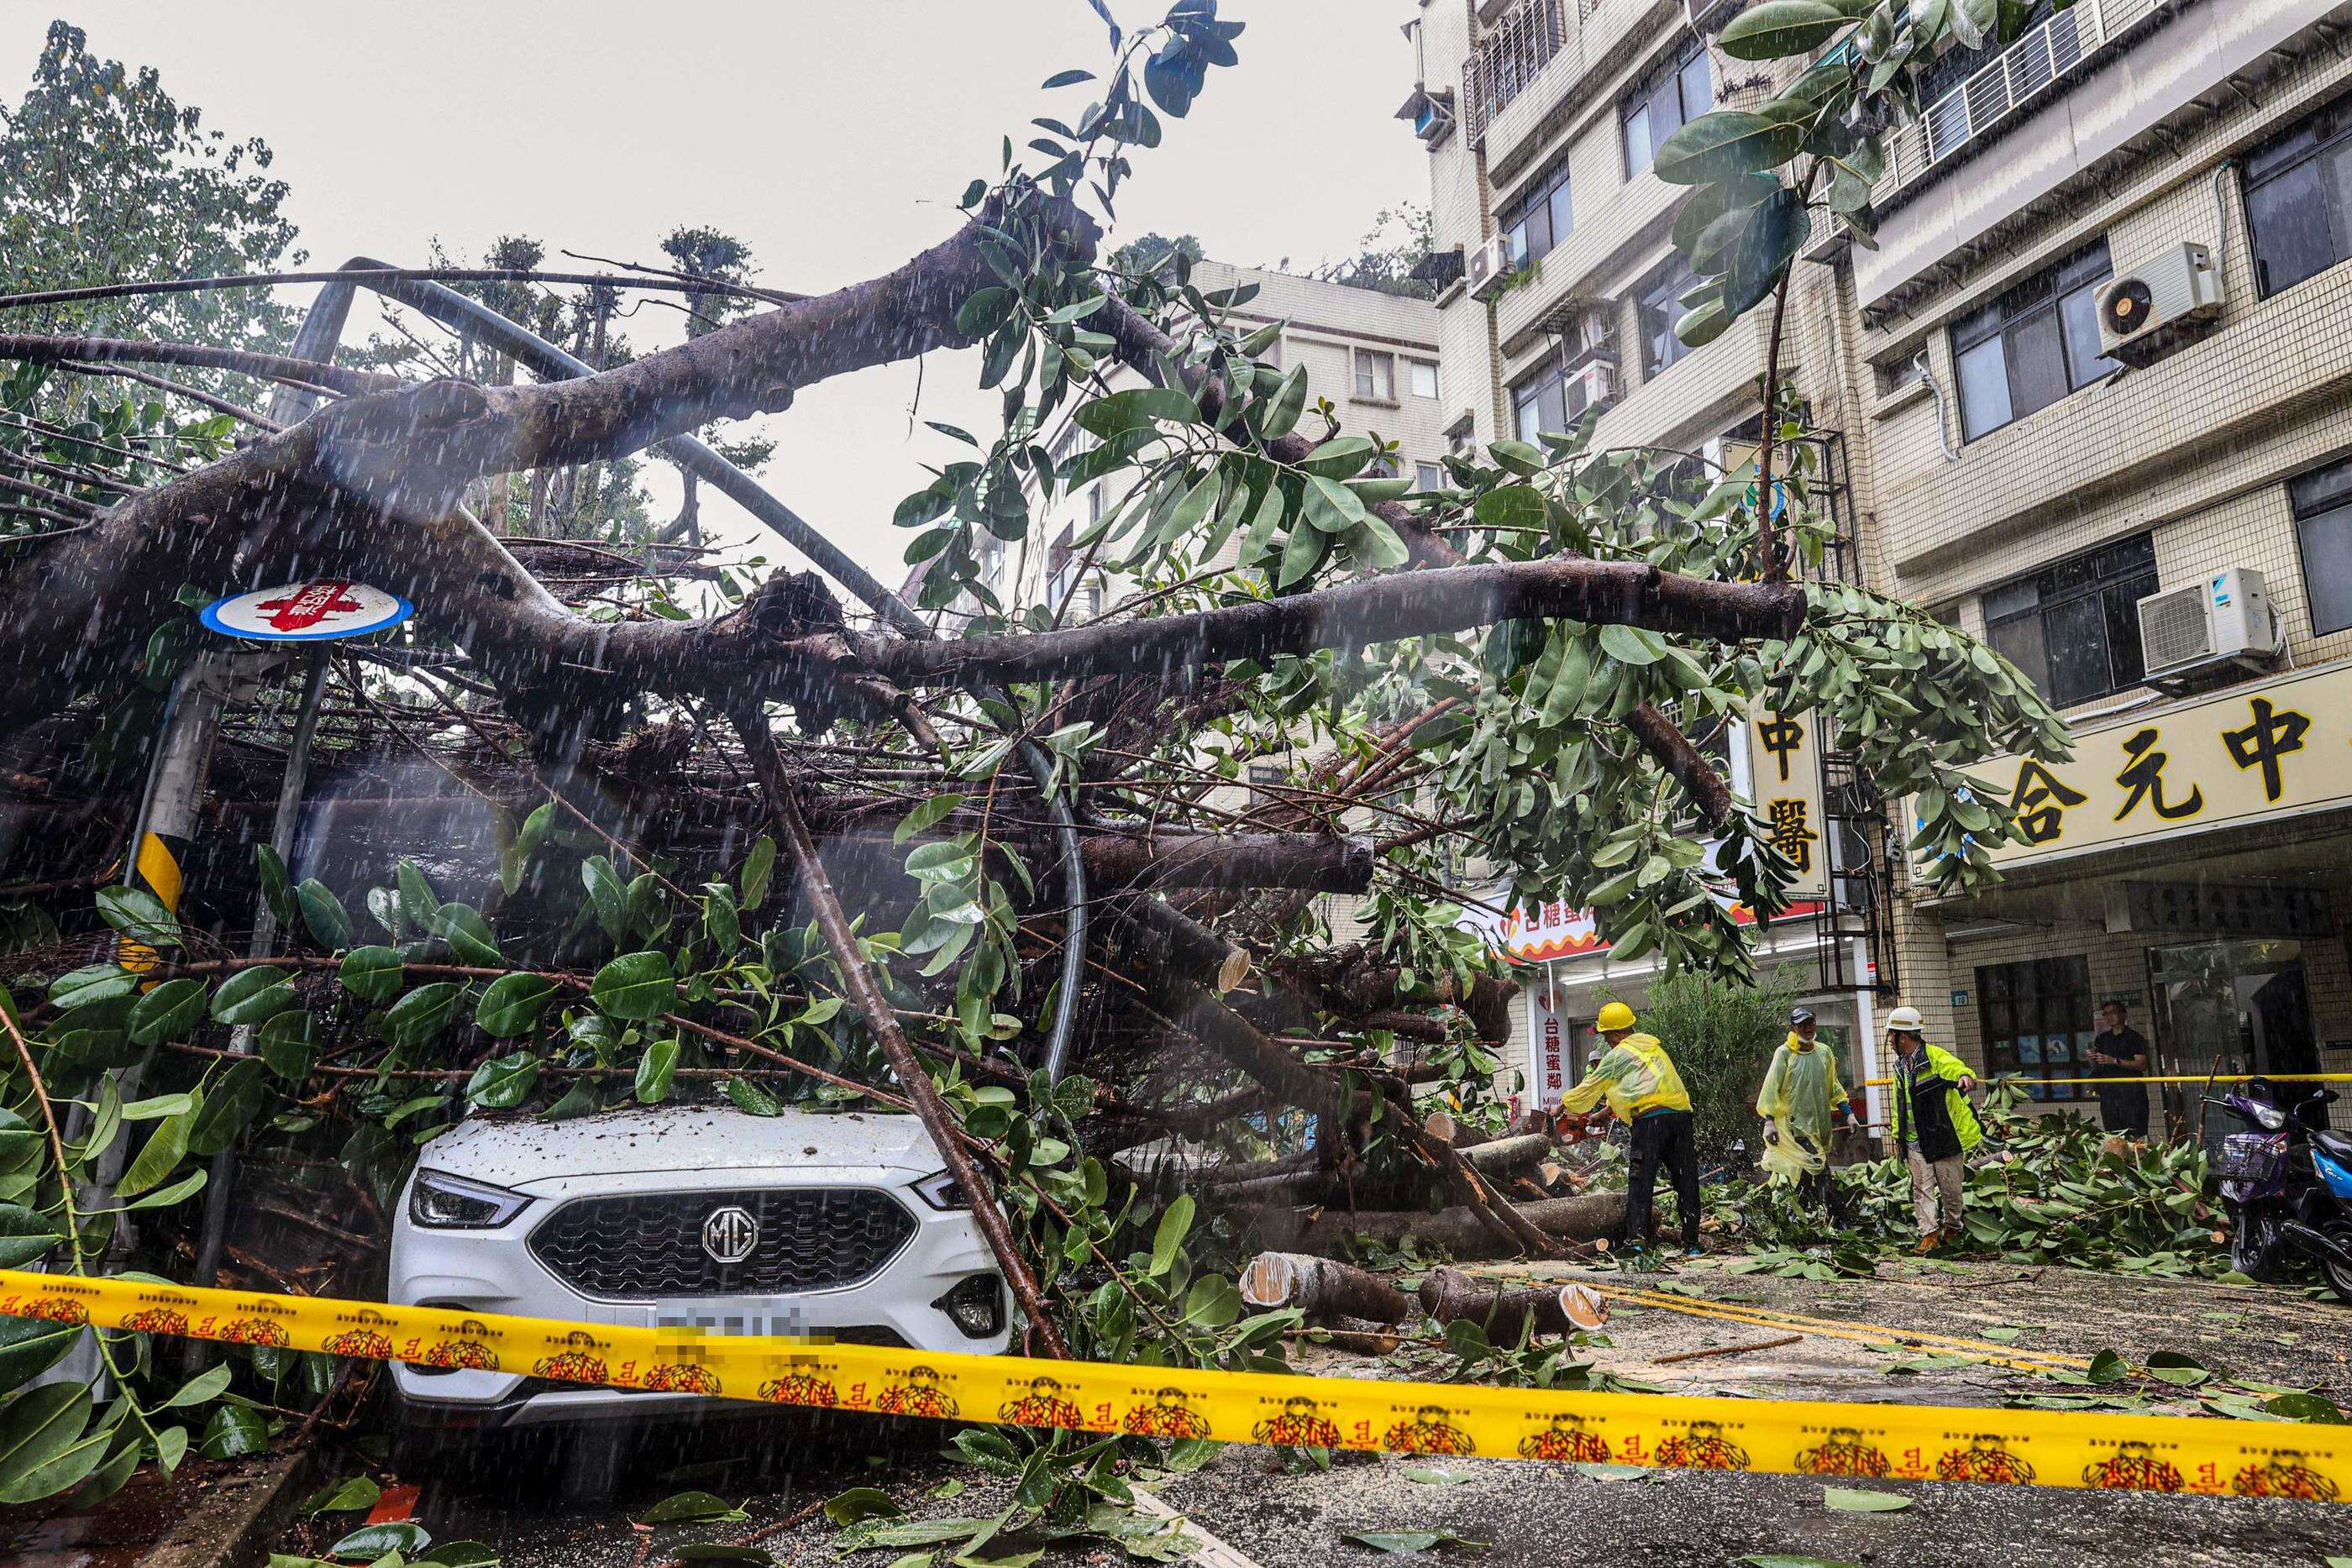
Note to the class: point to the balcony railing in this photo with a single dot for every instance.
(1521, 42)
(2037, 63)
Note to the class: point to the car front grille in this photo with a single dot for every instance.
(811, 1238)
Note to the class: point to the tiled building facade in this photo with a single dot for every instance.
(1996, 466)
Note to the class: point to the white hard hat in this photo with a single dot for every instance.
(1904, 1018)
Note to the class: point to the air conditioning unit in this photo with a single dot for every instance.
(1434, 116)
(2224, 619)
(1594, 385)
(1489, 267)
(2153, 308)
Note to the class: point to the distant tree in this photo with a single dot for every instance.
(721, 257)
(1147, 254)
(1397, 243)
(105, 178)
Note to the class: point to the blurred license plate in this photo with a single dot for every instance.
(737, 1315)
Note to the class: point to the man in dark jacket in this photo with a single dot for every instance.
(2120, 1052)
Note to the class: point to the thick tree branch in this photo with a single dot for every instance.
(313, 373)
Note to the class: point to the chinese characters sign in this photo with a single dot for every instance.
(2274, 750)
(1785, 761)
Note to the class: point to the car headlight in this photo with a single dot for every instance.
(2270, 1118)
(976, 1307)
(441, 1202)
(942, 1191)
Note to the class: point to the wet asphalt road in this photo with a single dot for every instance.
(557, 1501)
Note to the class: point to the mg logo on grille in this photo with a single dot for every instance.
(730, 1234)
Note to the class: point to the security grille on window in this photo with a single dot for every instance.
(2299, 200)
(1424, 378)
(2074, 628)
(1683, 92)
(2323, 524)
(1539, 216)
(1660, 307)
(2037, 1022)
(2032, 345)
(1375, 376)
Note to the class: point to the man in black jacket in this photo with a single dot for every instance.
(2120, 1052)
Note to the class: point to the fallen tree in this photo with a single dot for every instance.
(1019, 899)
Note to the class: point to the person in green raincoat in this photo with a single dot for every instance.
(1801, 1102)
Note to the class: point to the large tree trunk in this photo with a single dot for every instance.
(1322, 1289)
(1458, 1230)
(1507, 1316)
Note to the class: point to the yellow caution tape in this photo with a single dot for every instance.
(1855, 1332)
(2161, 1078)
(1892, 1442)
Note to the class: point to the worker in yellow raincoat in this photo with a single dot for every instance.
(1801, 1102)
(1646, 1094)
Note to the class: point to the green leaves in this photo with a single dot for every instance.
(635, 986)
(90, 984)
(42, 1446)
(418, 1017)
(168, 1011)
(1857, 1499)
(24, 1236)
(692, 1508)
(921, 819)
(512, 1003)
(1175, 1221)
(1781, 28)
(1136, 407)
(323, 914)
(234, 1100)
(372, 974)
(139, 916)
(1725, 145)
(749, 1097)
(1774, 232)
(758, 867)
(654, 1070)
(158, 1158)
(253, 996)
(503, 1083)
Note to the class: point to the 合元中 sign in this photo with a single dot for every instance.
(306, 611)
(2253, 753)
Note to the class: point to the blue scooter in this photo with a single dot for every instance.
(2287, 1183)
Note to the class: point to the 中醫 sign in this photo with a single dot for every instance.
(1784, 753)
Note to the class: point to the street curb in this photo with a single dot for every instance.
(236, 1521)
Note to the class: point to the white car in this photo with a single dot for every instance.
(840, 1224)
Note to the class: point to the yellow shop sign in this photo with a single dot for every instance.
(2268, 749)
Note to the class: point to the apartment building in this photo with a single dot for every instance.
(2092, 399)
(1542, 119)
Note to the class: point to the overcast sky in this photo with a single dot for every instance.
(833, 138)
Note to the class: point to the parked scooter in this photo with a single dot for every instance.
(2287, 1183)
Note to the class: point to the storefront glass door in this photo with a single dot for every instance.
(2228, 1006)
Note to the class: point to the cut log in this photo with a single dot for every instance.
(1506, 1315)
(1322, 1289)
(1502, 1156)
(1456, 1230)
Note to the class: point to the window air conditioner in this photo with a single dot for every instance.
(2224, 619)
(1489, 267)
(2155, 307)
(1594, 385)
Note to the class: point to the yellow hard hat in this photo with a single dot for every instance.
(1614, 1016)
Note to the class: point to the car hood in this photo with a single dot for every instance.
(512, 1153)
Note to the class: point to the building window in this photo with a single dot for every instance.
(1684, 92)
(1424, 377)
(1429, 475)
(2074, 628)
(2037, 1022)
(1659, 305)
(1094, 504)
(1539, 216)
(2323, 524)
(2032, 345)
(2298, 195)
(1375, 376)
(1271, 355)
